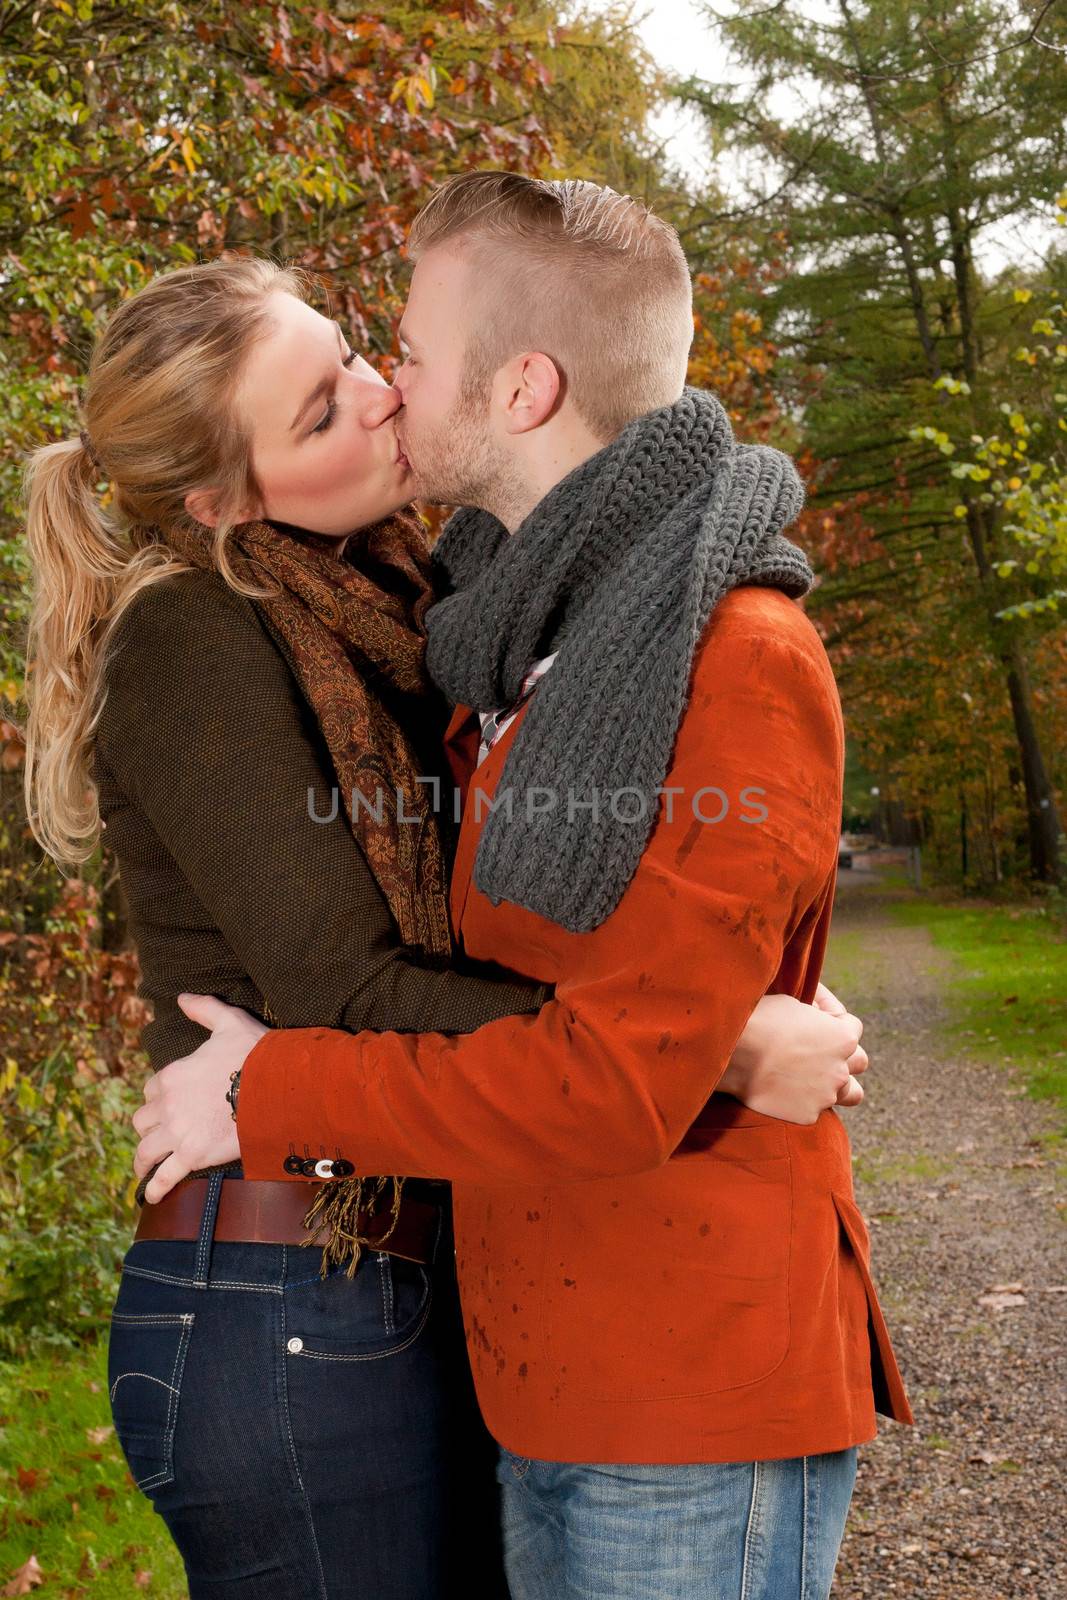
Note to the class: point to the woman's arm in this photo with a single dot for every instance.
(207, 733)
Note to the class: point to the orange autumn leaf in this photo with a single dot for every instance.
(28, 1576)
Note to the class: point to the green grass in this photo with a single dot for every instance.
(65, 1493)
(873, 1168)
(1008, 999)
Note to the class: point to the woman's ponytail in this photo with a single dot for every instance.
(79, 567)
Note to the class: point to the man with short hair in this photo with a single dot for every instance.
(670, 1315)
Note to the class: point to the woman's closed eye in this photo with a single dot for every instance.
(331, 405)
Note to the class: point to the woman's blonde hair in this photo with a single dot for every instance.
(160, 421)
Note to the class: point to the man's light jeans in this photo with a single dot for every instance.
(764, 1530)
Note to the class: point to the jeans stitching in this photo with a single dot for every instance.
(139, 1319)
(150, 1377)
(380, 1355)
(207, 1229)
(752, 1529)
(804, 1529)
(219, 1283)
(156, 1480)
(385, 1278)
(284, 1400)
(176, 1379)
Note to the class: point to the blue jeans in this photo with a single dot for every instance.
(764, 1530)
(304, 1437)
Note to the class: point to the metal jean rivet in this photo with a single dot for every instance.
(295, 1346)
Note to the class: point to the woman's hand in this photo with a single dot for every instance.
(185, 1123)
(793, 1060)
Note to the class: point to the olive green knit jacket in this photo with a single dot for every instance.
(204, 755)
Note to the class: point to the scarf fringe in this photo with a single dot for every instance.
(336, 1212)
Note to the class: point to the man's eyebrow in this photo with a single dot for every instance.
(321, 388)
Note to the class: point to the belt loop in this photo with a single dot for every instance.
(207, 1228)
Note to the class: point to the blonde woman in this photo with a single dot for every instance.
(238, 632)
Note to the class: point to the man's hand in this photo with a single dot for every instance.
(793, 1061)
(185, 1122)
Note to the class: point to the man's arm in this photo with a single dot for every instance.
(610, 1076)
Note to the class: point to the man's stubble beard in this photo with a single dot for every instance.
(460, 464)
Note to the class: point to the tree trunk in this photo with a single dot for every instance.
(1042, 818)
(1041, 815)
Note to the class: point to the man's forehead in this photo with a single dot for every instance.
(439, 276)
(440, 270)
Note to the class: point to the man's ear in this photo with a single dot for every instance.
(203, 506)
(530, 389)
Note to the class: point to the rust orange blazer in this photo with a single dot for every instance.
(650, 1271)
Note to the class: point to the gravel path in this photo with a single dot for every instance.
(962, 1201)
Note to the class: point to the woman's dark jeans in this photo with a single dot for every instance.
(305, 1439)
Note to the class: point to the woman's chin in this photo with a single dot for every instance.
(401, 494)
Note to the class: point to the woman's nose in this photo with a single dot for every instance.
(379, 404)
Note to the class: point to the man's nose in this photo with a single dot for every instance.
(379, 403)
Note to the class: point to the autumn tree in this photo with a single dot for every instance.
(889, 139)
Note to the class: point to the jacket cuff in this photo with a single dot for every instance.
(284, 1127)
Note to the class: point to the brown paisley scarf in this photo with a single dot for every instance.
(352, 629)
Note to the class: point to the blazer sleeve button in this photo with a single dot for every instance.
(342, 1169)
(294, 1165)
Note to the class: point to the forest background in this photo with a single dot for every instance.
(846, 310)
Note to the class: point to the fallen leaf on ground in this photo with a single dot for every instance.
(1001, 1302)
(29, 1576)
(143, 1579)
(98, 1435)
(1005, 1288)
(987, 1458)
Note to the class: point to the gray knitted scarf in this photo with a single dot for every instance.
(618, 569)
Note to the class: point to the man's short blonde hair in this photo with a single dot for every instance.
(589, 277)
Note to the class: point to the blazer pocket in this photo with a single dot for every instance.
(146, 1359)
(673, 1284)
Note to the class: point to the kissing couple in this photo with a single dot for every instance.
(498, 1231)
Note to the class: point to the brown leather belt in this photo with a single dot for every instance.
(266, 1212)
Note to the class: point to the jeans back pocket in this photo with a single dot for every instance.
(379, 1312)
(146, 1355)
